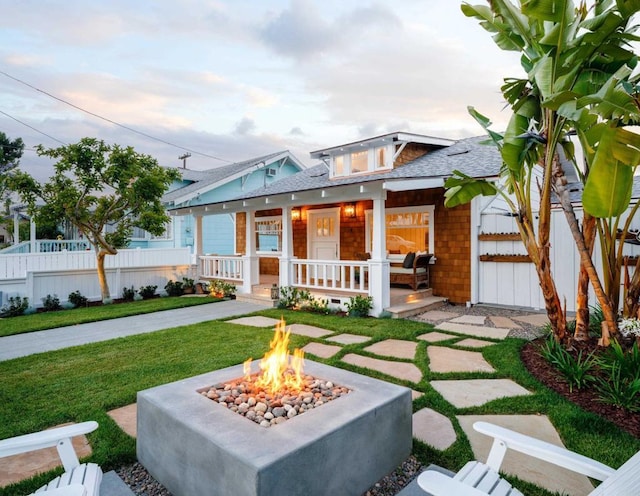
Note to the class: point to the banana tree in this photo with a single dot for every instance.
(578, 67)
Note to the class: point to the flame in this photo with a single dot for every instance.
(279, 371)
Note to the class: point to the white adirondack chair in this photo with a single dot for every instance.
(480, 479)
(78, 479)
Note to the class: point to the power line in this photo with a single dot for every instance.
(33, 128)
(109, 120)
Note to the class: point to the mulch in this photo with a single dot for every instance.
(586, 398)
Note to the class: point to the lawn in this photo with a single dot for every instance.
(60, 318)
(83, 383)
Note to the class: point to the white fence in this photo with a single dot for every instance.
(516, 284)
(341, 275)
(222, 267)
(38, 275)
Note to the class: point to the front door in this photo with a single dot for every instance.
(324, 234)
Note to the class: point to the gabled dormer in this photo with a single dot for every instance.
(378, 154)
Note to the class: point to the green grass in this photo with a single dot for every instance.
(83, 383)
(60, 318)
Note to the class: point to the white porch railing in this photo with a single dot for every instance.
(222, 267)
(48, 246)
(341, 275)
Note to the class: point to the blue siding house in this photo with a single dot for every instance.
(212, 186)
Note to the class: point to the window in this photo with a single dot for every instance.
(408, 229)
(362, 161)
(268, 234)
(167, 234)
(139, 234)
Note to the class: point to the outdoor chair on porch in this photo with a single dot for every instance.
(78, 479)
(477, 479)
(414, 270)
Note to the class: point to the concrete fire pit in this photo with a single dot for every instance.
(194, 446)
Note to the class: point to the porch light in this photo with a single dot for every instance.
(275, 292)
(295, 214)
(349, 210)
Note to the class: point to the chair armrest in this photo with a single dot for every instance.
(439, 484)
(44, 439)
(421, 260)
(507, 439)
(72, 490)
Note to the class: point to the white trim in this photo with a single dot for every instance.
(332, 210)
(413, 184)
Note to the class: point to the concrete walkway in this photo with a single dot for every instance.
(21, 345)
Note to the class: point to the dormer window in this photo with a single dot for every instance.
(362, 161)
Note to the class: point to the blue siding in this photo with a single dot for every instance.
(218, 234)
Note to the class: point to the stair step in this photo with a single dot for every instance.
(257, 299)
(414, 308)
(410, 297)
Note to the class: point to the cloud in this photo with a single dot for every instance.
(245, 126)
(296, 131)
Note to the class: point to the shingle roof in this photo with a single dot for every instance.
(471, 156)
(202, 179)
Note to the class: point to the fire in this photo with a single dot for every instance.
(279, 371)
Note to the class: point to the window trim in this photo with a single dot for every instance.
(269, 218)
(371, 161)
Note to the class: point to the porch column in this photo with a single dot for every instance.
(476, 220)
(32, 236)
(379, 264)
(251, 274)
(16, 227)
(197, 243)
(287, 248)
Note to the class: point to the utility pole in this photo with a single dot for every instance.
(184, 159)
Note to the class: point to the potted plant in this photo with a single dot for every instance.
(188, 285)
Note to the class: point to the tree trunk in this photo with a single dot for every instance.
(102, 278)
(581, 332)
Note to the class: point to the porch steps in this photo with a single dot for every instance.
(258, 299)
(414, 303)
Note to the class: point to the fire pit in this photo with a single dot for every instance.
(196, 446)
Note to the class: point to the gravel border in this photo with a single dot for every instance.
(143, 484)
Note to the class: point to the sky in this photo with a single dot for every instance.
(232, 80)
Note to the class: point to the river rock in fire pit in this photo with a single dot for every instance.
(196, 446)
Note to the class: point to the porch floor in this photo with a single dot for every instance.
(405, 302)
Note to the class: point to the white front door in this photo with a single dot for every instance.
(323, 228)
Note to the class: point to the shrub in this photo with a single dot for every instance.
(174, 288)
(147, 291)
(317, 306)
(17, 306)
(577, 371)
(189, 284)
(77, 300)
(219, 288)
(618, 390)
(128, 294)
(293, 298)
(51, 303)
(359, 306)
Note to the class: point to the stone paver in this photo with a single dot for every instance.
(399, 370)
(537, 319)
(504, 322)
(470, 319)
(416, 394)
(437, 315)
(434, 337)
(476, 392)
(433, 428)
(126, 418)
(255, 321)
(544, 474)
(19, 467)
(307, 330)
(477, 331)
(443, 360)
(321, 350)
(473, 343)
(348, 339)
(396, 348)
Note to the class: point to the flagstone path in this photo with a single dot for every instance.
(444, 355)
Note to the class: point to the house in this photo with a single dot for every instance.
(196, 188)
(382, 196)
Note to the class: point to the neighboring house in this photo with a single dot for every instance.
(311, 229)
(214, 185)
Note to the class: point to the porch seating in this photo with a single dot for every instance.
(476, 478)
(414, 272)
(77, 479)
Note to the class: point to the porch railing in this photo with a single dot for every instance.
(48, 246)
(222, 267)
(341, 275)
